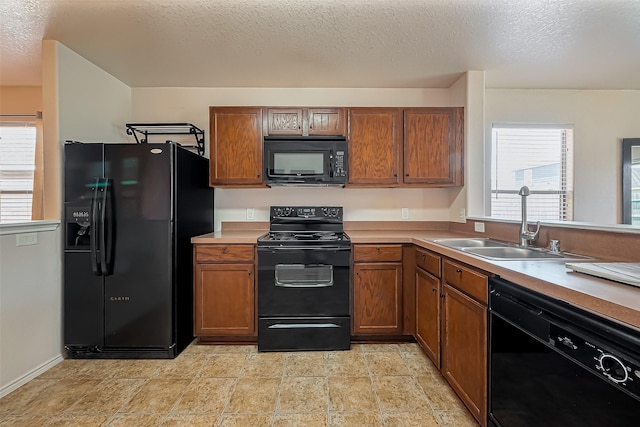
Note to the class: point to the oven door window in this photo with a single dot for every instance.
(303, 276)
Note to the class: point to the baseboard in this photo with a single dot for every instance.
(29, 376)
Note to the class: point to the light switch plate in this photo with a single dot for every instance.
(479, 227)
(405, 213)
(250, 213)
(25, 239)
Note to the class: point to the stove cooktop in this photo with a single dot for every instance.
(297, 238)
(305, 225)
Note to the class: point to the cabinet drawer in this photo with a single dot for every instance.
(225, 253)
(377, 253)
(428, 261)
(467, 280)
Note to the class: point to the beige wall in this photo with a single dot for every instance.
(192, 105)
(600, 118)
(20, 99)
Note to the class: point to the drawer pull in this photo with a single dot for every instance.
(302, 325)
(458, 270)
(424, 255)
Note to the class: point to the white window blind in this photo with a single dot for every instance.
(539, 157)
(17, 164)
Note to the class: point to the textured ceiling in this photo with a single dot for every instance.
(574, 44)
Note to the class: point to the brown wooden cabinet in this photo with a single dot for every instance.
(433, 146)
(377, 290)
(305, 121)
(411, 147)
(464, 336)
(236, 146)
(224, 291)
(374, 135)
(284, 121)
(428, 293)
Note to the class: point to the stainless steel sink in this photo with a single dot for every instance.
(471, 242)
(514, 252)
(504, 251)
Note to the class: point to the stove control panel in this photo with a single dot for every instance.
(306, 212)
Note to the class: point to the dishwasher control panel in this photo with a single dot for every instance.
(604, 362)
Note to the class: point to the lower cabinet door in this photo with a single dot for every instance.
(464, 351)
(428, 314)
(224, 300)
(377, 296)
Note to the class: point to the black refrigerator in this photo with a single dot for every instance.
(130, 211)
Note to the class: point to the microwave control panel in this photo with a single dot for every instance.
(339, 169)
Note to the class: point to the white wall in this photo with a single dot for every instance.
(80, 102)
(30, 310)
(600, 118)
(192, 105)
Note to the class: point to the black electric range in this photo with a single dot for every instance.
(303, 280)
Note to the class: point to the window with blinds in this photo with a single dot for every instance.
(17, 165)
(540, 157)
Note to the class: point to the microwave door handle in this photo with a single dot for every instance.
(332, 161)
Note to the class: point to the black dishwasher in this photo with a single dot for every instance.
(552, 364)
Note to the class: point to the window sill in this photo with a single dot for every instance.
(28, 227)
(614, 228)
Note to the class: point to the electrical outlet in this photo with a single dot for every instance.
(25, 239)
(461, 213)
(479, 227)
(249, 213)
(405, 213)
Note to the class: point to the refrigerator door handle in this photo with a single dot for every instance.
(93, 229)
(105, 227)
(111, 235)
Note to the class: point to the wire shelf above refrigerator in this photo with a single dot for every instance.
(141, 132)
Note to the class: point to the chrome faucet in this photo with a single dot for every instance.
(526, 236)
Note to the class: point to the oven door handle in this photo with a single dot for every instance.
(302, 325)
(304, 285)
(306, 248)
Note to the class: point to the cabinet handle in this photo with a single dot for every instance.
(258, 175)
(406, 174)
(249, 273)
(433, 289)
(424, 255)
(395, 175)
(224, 249)
(458, 270)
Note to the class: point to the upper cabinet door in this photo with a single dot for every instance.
(284, 121)
(433, 146)
(236, 146)
(374, 137)
(305, 121)
(326, 121)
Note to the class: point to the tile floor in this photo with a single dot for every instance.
(215, 385)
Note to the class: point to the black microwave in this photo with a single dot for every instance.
(305, 160)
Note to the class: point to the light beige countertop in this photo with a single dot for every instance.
(229, 237)
(614, 300)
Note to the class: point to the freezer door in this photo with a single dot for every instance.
(83, 168)
(83, 302)
(138, 295)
